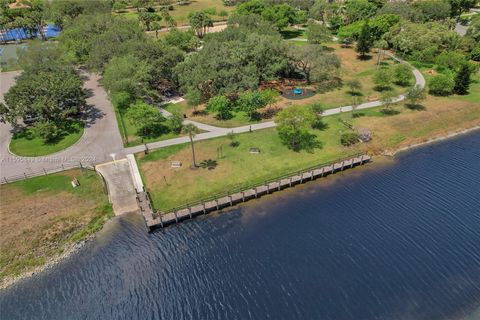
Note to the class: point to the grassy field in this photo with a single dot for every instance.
(237, 166)
(27, 144)
(41, 217)
(181, 12)
(129, 131)
(352, 68)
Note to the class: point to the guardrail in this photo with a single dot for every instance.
(44, 172)
(242, 187)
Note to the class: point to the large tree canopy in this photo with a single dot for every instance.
(232, 60)
(45, 95)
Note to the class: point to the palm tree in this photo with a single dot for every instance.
(191, 130)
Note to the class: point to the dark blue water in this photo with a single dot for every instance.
(393, 241)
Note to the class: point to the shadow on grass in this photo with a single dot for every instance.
(415, 107)
(364, 57)
(290, 34)
(390, 112)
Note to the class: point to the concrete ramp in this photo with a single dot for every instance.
(121, 188)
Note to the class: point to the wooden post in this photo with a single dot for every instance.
(342, 165)
(256, 194)
(176, 218)
(63, 167)
(161, 221)
(45, 171)
(268, 188)
(230, 197)
(6, 181)
(216, 201)
(323, 169)
(351, 164)
(81, 166)
(243, 196)
(204, 210)
(290, 182)
(279, 184)
(311, 172)
(301, 177)
(190, 212)
(361, 159)
(25, 175)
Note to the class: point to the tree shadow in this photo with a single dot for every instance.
(320, 125)
(364, 57)
(415, 107)
(290, 34)
(382, 88)
(91, 114)
(389, 112)
(199, 113)
(355, 93)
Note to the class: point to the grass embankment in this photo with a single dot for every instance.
(238, 166)
(351, 68)
(180, 12)
(129, 131)
(44, 216)
(26, 143)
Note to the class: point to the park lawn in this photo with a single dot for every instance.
(238, 167)
(292, 33)
(181, 12)
(27, 144)
(42, 217)
(352, 68)
(129, 132)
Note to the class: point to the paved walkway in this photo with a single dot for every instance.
(101, 136)
(102, 139)
(215, 132)
(120, 184)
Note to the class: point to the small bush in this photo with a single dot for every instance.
(349, 138)
(475, 54)
(441, 85)
(223, 13)
(402, 75)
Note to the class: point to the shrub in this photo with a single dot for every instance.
(222, 106)
(223, 13)
(349, 138)
(382, 79)
(48, 131)
(441, 85)
(122, 99)
(475, 54)
(450, 60)
(402, 74)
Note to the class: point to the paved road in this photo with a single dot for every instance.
(101, 136)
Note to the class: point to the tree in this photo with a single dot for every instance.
(184, 40)
(200, 22)
(359, 10)
(293, 124)
(450, 60)
(236, 59)
(349, 138)
(415, 95)
(382, 79)
(148, 19)
(403, 9)
(46, 95)
(128, 74)
(387, 100)
(250, 102)
(381, 45)
(433, 10)
(191, 130)
(402, 75)
(175, 122)
(280, 15)
(462, 80)
(251, 7)
(318, 110)
(315, 63)
(146, 118)
(48, 130)
(460, 6)
(364, 42)
(41, 56)
(318, 33)
(441, 85)
(355, 86)
(222, 106)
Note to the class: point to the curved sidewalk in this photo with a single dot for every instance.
(215, 132)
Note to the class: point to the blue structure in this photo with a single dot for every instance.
(16, 34)
(297, 91)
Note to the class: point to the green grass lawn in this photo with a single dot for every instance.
(27, 144)
(181, 12)
(291, 33)
(43, 216)
(236, 165)
(129, 132)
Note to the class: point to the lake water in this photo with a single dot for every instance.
(399, 240)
